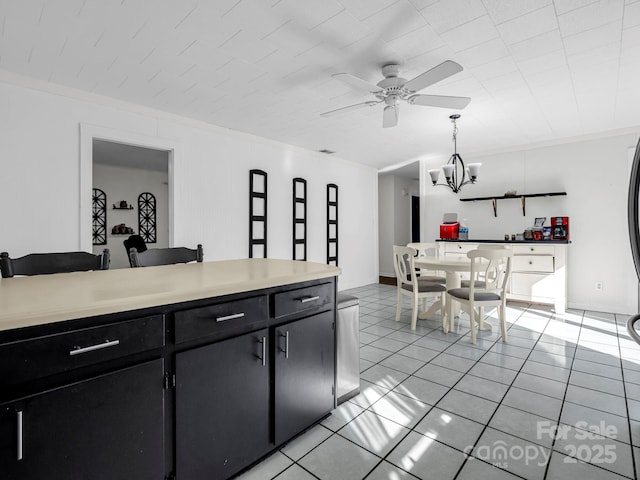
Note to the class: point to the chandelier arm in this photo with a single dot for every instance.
(464, 174)
(448, 185)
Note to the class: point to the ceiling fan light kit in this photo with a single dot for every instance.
(455, 172)
(394, 88)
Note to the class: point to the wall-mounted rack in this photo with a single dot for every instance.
(257, 213)
(299, 219)
(494, 200)
(332, 224)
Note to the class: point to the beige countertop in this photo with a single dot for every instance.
(28, 301)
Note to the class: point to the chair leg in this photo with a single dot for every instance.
(399, 306)
(472, 323)
(480, 318)
(451, 320)
(414, 313)
(443, 318)
(503, 322)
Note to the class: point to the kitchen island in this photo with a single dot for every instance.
(181, 371)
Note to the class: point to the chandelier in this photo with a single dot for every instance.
(455, 173)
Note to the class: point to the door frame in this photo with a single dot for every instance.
(90, 132)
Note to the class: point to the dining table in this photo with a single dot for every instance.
(453, 267)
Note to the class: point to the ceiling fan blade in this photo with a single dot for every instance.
(390, 116)
(437, 73)
(441, 101)
(356, 82)
(337, 111)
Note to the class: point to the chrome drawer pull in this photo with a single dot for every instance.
(229, 317)
(309, 299)
(19, 417)
(91, 348)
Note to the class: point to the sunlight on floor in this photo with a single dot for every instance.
(416, 453)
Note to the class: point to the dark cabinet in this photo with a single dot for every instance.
(222, 406)
(303, 373)
(107, 428)
(240, 375)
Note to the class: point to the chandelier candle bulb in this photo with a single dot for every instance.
(448, 171)
(474, 169)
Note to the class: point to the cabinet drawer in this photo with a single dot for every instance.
(459, 248)
(42, 356)
(533, 263)
(222, 319)
(533, 287)
(533, 250)
(303, 300)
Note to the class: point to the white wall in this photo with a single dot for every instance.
(40, 153)
(121, 183)
(595, 175)
(394, 214)
(386, 224)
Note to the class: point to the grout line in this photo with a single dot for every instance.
(375, 298)
(486, 425)
(626, 404)
(564, 397)
(412, 429)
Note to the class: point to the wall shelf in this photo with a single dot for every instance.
(494, 200)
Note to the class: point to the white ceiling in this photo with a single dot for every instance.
(536, 70)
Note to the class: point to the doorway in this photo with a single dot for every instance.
(89, 133)
(133, 185)
(415, 218)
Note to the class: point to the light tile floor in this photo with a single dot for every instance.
(559, 400)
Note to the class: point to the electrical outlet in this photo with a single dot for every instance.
(599, 286)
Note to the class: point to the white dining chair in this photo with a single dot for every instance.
(410, 285)
(493, 267)
(482, 246)
(428, 249)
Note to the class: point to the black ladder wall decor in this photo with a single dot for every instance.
(299, 219)
(332, 224)
(99, 207)
(257, 214)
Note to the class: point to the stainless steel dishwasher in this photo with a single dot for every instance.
(348, 347)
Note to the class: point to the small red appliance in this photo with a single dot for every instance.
(560, 228)
(449, 231)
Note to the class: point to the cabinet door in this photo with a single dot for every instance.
(533, 287)
(304, 373)
(107, 428)
(222, 407)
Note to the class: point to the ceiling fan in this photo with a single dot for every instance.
(394, 88)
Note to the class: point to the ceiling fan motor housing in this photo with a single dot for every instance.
(394, 88)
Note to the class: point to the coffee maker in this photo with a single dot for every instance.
(560, 228)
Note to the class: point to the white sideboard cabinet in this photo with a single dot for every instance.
(539, 269)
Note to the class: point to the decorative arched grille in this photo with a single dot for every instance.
(99, 217)
(147, 217)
